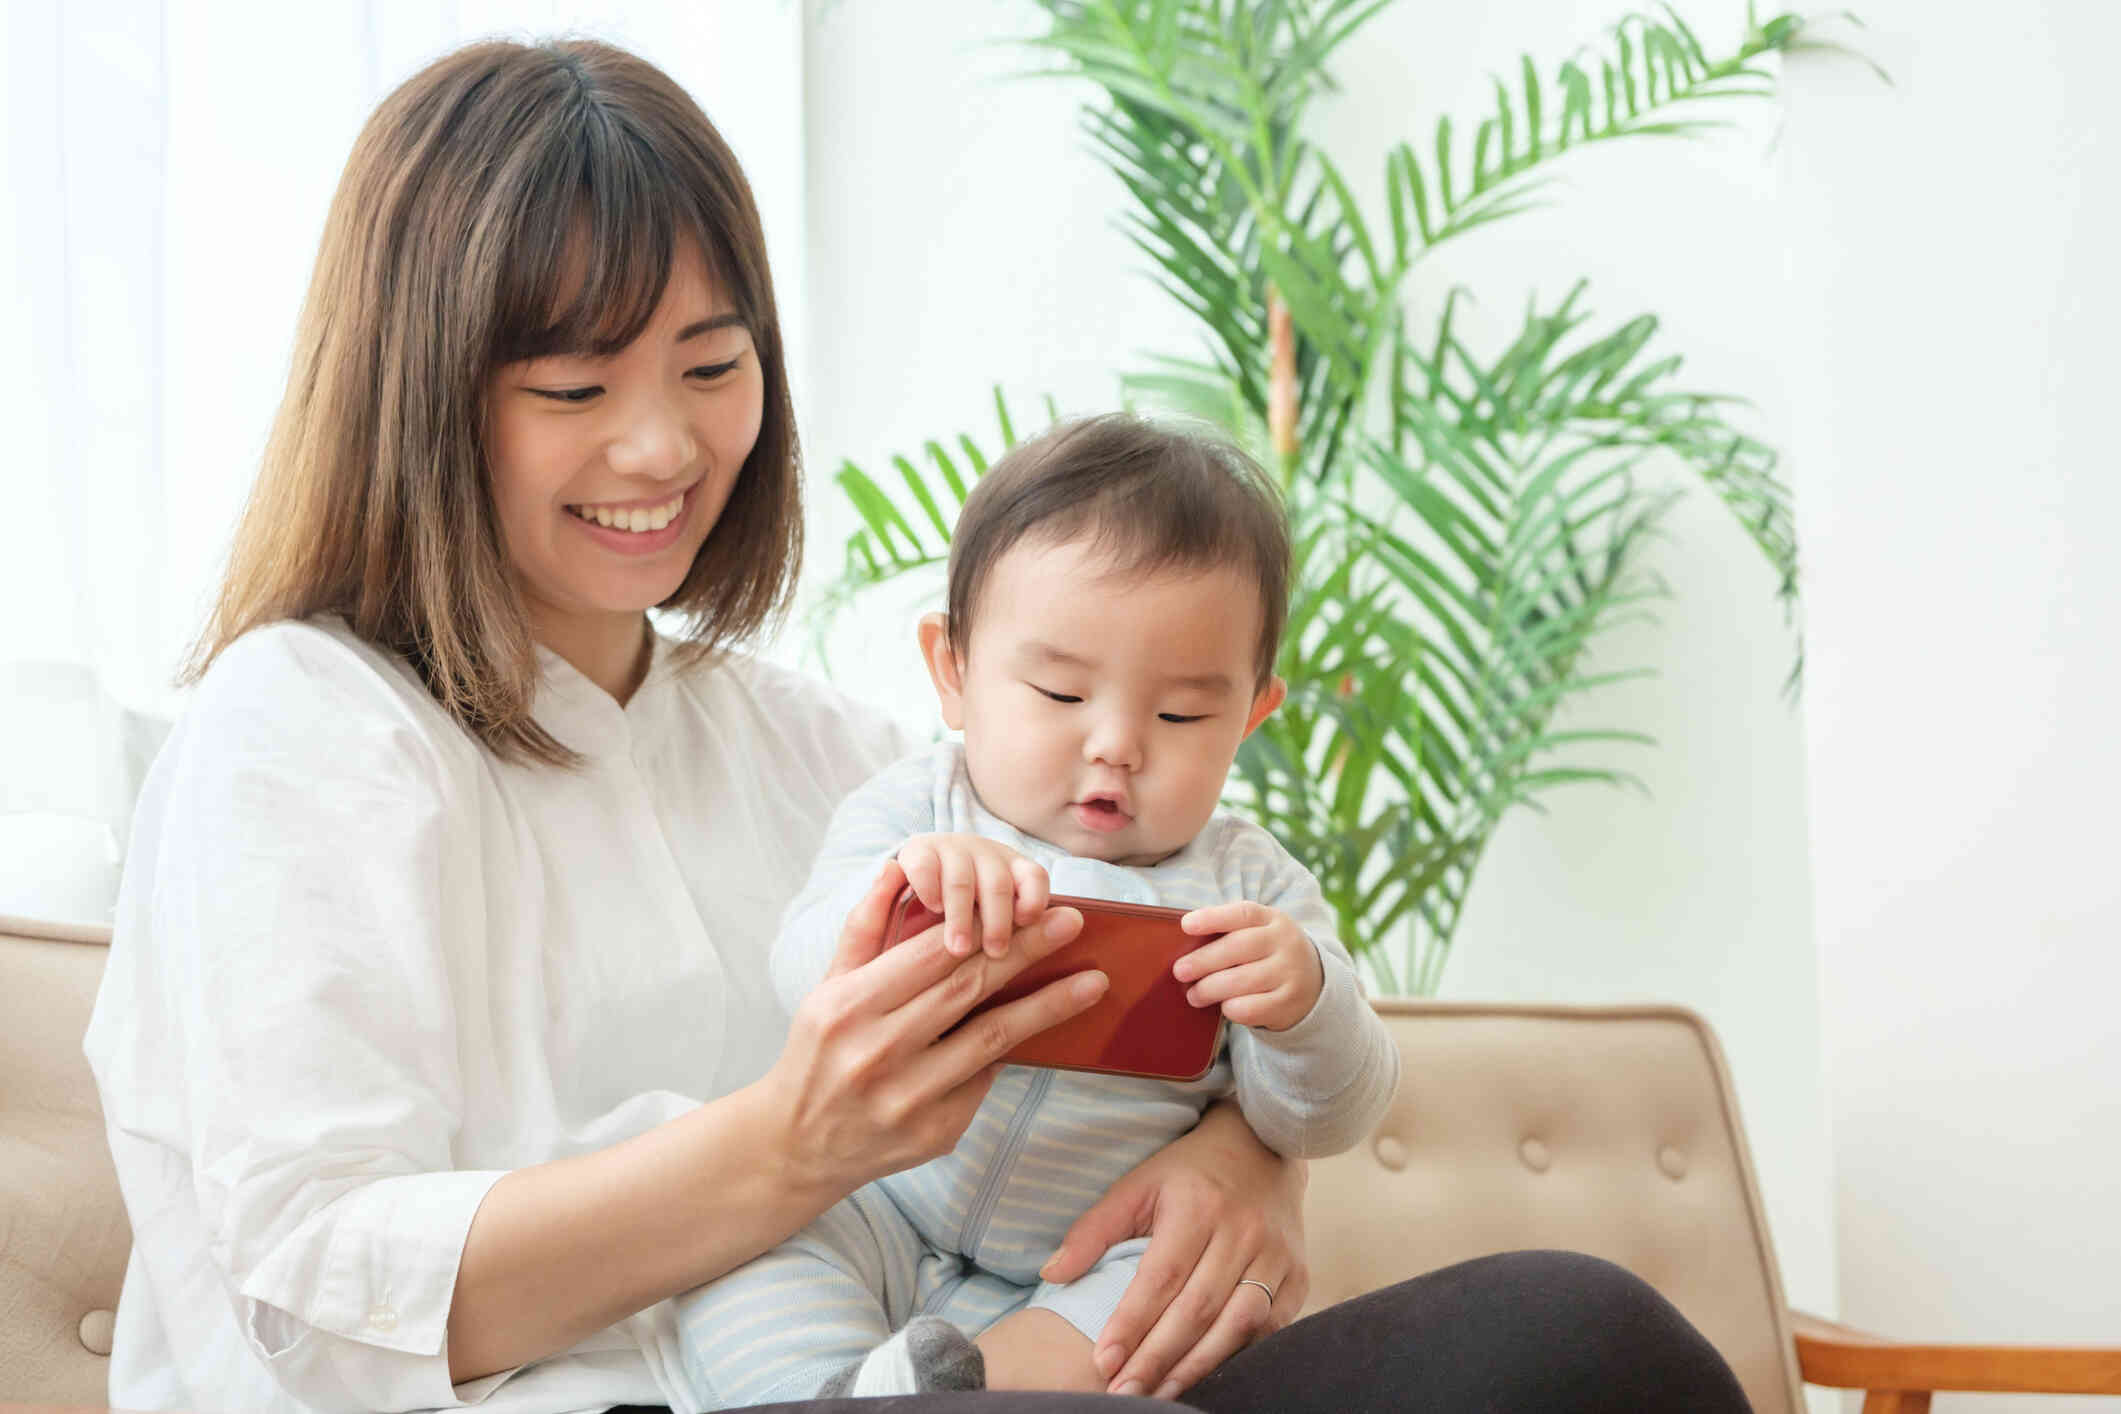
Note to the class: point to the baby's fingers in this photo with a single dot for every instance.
(997, 903)
(960, 902)
(1031, 890)
(1219, 987)
(1226, 917)
(924, 873)
(1230, 950)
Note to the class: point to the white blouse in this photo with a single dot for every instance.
(362, 968)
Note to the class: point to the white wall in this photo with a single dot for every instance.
(959, 235)
(1953, 258)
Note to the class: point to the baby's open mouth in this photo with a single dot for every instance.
(1102, 813)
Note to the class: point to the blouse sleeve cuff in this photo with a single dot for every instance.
(377, 1267)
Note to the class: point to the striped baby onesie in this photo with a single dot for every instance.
(964, 1236)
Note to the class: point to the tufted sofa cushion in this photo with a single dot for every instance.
(1607, 1130)
(63, 1234)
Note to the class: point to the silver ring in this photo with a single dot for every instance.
(1248, 1281)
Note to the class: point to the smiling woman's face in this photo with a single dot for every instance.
(608, 473)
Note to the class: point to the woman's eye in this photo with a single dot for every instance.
(568, 395)
(709, 371)
(1056, 696)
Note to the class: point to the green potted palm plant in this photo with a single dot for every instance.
(1467, 520)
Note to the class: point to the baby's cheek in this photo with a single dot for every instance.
(1203, 792)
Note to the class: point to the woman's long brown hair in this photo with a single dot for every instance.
(506, 202)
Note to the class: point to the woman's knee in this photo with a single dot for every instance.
(1581, 1280)
(1599, 1324)
(1542, 1331)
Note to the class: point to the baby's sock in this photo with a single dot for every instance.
(927, 1354)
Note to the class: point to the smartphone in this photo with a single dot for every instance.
(1143, 1025)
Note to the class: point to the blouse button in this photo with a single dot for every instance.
(383, 1318)
(1391, 1152)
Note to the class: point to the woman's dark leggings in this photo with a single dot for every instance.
(1551, 1332)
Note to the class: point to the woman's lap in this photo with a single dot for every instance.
(1552, 1332)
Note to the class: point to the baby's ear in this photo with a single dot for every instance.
(1264, 702)
(943, 669)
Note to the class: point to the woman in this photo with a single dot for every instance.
(436, 1045)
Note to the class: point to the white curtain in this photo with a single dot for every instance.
(163, 181)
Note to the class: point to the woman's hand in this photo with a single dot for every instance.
(867, 1083)
(1220, 1210)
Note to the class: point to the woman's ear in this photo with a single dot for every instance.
(943, 669)
(1264, 702)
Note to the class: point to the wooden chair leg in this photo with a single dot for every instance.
(1897, 1401)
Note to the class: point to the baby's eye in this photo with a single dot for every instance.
(1181, 717)
(1056, 696)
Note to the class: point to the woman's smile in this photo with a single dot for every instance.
(635, 527)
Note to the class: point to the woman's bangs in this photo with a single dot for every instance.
(593, 255)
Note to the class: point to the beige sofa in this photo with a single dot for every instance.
(1607, 1130)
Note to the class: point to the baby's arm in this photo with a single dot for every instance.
(867, 829)
(1319, 1085)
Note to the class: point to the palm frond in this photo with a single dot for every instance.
(1652, 79)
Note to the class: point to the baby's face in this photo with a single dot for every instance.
(1101, 712)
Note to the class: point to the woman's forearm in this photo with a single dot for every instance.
(867, 1084)
(563, 1249)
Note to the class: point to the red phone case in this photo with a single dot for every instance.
(1143, 1025)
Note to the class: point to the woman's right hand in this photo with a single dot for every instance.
(867, 1083)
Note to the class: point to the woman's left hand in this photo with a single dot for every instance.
(1221, 1211)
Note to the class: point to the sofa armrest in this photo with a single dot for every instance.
(1842, 1357)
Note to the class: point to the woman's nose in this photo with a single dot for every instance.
(655, 441)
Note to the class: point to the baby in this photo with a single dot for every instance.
(1116, 599)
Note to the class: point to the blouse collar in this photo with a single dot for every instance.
(586, 717)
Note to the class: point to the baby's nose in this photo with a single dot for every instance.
(1117, 744)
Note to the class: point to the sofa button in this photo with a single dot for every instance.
(383, 1319)
(1535, 1155)
(1391, 1153)
(1672, 1162)
(96, 1329)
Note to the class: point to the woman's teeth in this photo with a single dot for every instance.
(637, 520)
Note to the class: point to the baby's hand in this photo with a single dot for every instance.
(960, 876)
(1263, 970)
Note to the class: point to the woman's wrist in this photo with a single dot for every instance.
(792, 1171)
(1224, 1124)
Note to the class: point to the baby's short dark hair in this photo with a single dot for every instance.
(1152, 495)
